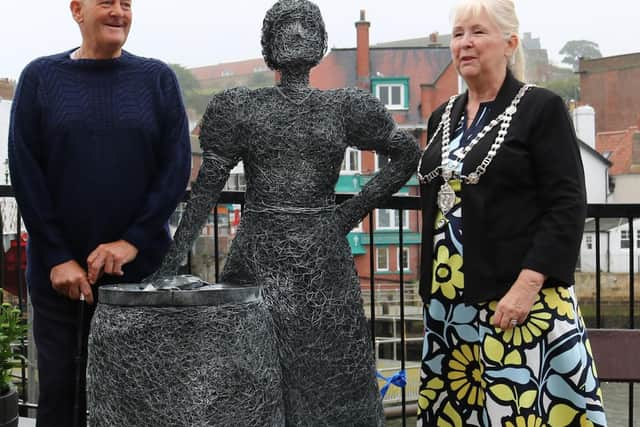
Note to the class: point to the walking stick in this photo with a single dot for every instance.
(79, 359)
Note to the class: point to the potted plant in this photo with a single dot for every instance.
(12, 328)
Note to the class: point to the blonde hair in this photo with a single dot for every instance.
(503, 13)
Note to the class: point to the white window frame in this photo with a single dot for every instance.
(406, 258)
(378, 253)
(588, 241)
(347, 167)
(389, 86)
(394, 220)
(624, 237)
(377, 165)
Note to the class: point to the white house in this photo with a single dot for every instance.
(615, 244)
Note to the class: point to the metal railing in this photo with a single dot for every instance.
(402, 402)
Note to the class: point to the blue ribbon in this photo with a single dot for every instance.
(399, 380)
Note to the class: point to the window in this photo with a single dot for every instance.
(405, 258)
(589, 241)
(381, 160)
(624, 239)
(382, 258)
(226, 73)
(351, 162)
(393, 92)
(389, 219)
(236, 182)
(392, 96)
(638, 239)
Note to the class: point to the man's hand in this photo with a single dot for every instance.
(109, 258)
(70, 280)
(517, 303)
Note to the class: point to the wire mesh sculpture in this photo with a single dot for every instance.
(292, 236)
(183, 366)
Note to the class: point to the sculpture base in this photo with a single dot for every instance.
(183, 365)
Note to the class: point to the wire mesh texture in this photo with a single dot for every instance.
(292, 237)
(183, 366)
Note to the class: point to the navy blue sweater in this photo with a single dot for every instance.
(98, 151)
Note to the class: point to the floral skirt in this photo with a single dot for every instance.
(541, 373)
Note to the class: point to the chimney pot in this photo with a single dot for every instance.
(363, 14)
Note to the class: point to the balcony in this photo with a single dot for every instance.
(606, 286)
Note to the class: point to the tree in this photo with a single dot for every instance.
(568, 88)
(192, 94)
(188, 83)
(574, 49)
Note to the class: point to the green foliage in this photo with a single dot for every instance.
(190, 88)
(574, 49)
(12, 328)
(568, 87)
(197, 100)
(186, 80)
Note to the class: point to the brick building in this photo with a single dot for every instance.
(411, 81)
(622, 148)
(611, 85)
(251, 73)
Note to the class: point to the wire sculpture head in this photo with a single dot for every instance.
(293, 35)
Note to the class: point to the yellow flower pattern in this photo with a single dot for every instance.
(429, 393)
(537, 323)
(559, 300)
(529, 421)
(465, 375)
(447, 276)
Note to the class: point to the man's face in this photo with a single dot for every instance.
(104, 24)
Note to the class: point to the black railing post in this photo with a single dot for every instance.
(598, 272)
(21, 304)
(372, 284)
(632, 303)
(402, 319)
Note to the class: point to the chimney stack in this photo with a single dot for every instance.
(363, 67)
(433, 38)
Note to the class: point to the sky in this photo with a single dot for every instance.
(203, 32)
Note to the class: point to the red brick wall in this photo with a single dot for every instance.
(615, 95)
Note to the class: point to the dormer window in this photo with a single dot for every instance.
(392, 92)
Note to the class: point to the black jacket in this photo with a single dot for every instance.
(528, 209)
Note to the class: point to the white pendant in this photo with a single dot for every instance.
(446, 198)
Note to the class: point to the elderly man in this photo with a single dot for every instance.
(99, 156)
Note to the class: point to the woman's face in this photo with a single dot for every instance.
(296, 41)
(479, 49)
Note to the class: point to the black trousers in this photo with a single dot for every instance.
(62, 376)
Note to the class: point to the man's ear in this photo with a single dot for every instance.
(76, 10)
